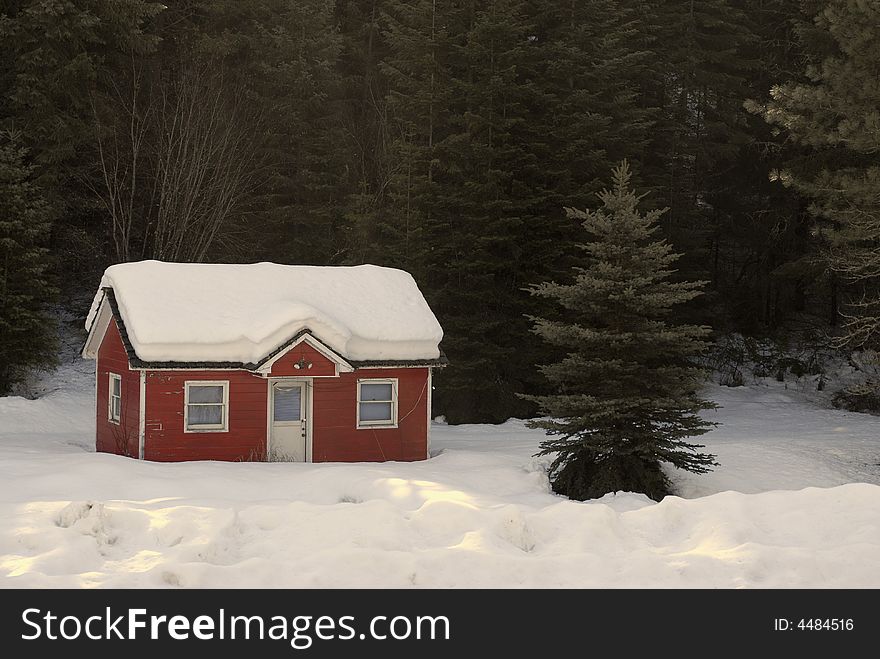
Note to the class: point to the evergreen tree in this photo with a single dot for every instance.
(703, 54)
(52, 53)
(458, 198)
(761, 262)
(626, 390)
(369, 228)
(482, 223)
(418, 82)
(835, 114)
(588, 68)
(27, 337)
(497, 112)
(237, 91)
(285, 55)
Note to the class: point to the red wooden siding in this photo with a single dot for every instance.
(321, 366)
(335, 436)
(244, 439)
(120, 438)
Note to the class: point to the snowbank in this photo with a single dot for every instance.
(241, 313)
(478, 514)
(436, 536)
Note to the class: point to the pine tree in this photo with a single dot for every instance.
(760, 261)
(285, 55)
(478, 215)
(703, 54)
(27, 338)
(626, 390)
(52, 53)
(393, 80)
(367, 231)
(835, 114)
(498, 111)
(588, 70)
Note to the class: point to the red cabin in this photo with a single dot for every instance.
(262, 362)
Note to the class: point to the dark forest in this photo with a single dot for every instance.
(446, 138)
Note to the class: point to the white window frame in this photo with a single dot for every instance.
(114, 377)
(221, 427)
(381, 423)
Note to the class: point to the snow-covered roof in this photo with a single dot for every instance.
(196, 312)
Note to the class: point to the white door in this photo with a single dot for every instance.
(288, 433)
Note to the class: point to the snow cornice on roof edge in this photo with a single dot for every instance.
(135, 361)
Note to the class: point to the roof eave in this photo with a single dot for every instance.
(438, 362)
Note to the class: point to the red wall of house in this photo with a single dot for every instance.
(321, 366)
(245, 438)
(120, 438)
(335, 436)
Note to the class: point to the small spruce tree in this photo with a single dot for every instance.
(626, 389)
(27, 332)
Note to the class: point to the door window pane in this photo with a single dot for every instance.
(288, 403)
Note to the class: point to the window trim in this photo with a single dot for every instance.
(110, 379)
(222, 427)
(381, 423)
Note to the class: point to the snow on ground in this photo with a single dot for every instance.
(478, 514)
(770, 438)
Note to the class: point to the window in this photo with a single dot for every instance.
(288, 403)
(114, 401)
(377, 403)
(206, 406)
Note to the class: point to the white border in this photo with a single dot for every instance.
(366, 425)
(430, 386)
(97, 331)
(307, 385)
(97, 408)
(142, 416)
(339, 363)
(110, 377)
(224, 427)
